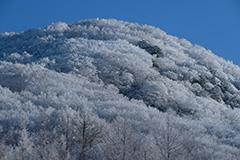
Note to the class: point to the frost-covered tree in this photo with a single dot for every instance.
(102, 89)
(173, 143)
(121, 142)
(83, 130)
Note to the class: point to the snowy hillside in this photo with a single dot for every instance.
(108, 89)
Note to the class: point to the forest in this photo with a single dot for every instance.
(112, 90)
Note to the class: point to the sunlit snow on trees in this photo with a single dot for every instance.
(109, 90)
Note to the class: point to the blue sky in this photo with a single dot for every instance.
(213, 24)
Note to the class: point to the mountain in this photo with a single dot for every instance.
(108, 89)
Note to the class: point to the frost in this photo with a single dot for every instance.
(131, 84)
(58, 27)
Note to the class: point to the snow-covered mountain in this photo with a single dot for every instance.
(108, 89)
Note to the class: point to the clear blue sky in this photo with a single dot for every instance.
(213, 24)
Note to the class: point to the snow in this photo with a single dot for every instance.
(98, 65)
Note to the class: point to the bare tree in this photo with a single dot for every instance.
(171, 143)
(87, 131)
(121, 142)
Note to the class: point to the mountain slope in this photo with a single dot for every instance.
(126, 76)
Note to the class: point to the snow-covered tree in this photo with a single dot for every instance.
(102, 89)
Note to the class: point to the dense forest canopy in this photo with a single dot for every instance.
(108, 89)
